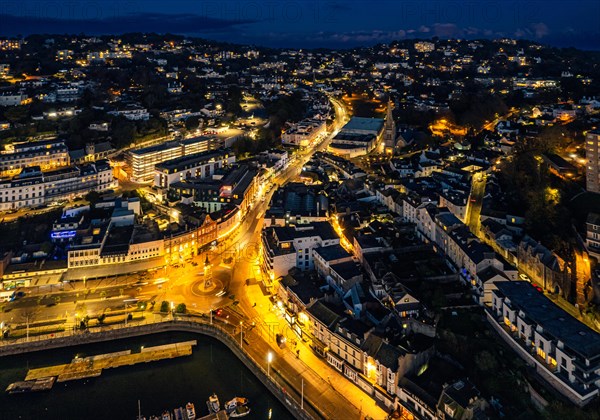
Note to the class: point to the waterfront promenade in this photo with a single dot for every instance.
(304, 394)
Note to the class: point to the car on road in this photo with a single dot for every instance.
(524, 277)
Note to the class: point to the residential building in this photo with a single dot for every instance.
(196, 165)
(562, 350)
(47, 154)
(593, 234)
(132, 113)
(544, 267)
(324, 257)
(12, 98)
(592, 154)
(141, 162)
(305, 133)
(461, 401)
(284, 247)
(32, 187)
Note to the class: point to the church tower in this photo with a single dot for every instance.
(389, 134)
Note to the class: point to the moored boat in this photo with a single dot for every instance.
(179, 414)
(240, 411)
(235, 402)
(213, 404)
(190, 411)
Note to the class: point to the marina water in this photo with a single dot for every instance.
(159, 386)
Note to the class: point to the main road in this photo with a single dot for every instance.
(246, 302)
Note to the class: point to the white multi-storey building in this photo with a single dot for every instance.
(592, 154)
(47, 154)
(564, 351)
(197, 165)
(304, 133)
(32, 187)
(285, 247)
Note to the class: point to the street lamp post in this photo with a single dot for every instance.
(302, 398)
(269, 360)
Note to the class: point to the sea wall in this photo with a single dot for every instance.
(310, 411)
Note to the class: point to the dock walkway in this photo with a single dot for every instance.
(92, 366)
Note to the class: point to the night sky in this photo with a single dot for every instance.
(313, 23)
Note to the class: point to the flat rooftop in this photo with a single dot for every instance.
(555, 321)
(322, 229)
(186, 161)
(364, 124)
(332, 252)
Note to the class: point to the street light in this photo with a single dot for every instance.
(269, 360)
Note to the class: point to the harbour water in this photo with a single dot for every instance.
(158, 385)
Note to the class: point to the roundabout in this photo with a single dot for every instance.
(210, 287)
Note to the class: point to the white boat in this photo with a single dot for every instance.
(213, 404)
(240, 411)
(235, 402)
(190, 411)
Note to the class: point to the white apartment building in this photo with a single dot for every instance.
(197, 165)
(285, 247)
(305, 133)
(133, 114)
(47, 154)
(564, 351)
(12, 99)
(32, 187)
(592, 154)
(141, 162)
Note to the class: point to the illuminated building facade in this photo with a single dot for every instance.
(32, 187)
(562, 350)
(47, 154)
(141, 162)
(592, 154)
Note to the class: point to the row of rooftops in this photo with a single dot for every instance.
(170, 145)
(555, 321)
(34, 174)
(189, 161)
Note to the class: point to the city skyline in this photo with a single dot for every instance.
(318, 23)
(408, 229)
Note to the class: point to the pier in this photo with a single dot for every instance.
(92, 366)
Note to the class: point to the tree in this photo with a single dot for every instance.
(438, 299)
(164, 306)
(16, 114)
(485, 361)
(93, 197)
(181, 308)
(192, 122)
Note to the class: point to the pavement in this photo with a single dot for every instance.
(323, 379)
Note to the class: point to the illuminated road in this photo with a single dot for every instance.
(476, 202)
(249, 304)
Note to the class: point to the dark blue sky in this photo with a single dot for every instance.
(314, 23)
